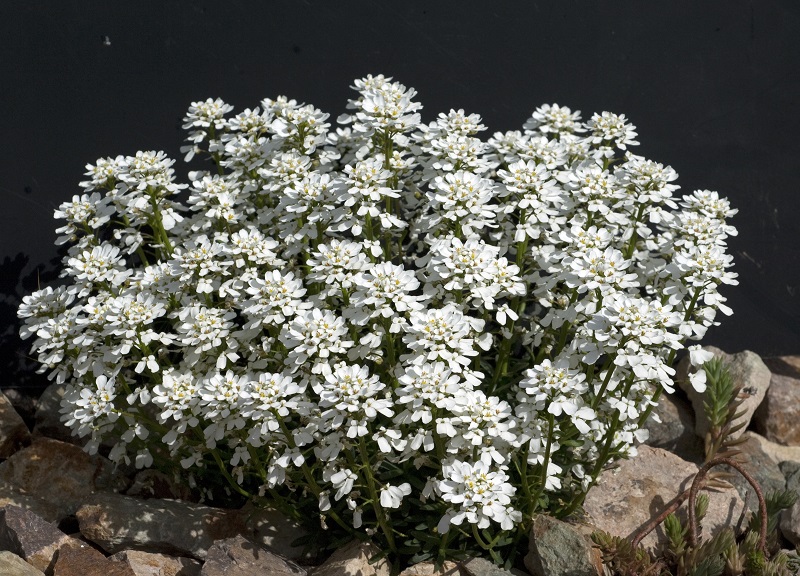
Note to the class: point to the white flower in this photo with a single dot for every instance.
(441, 334)
(314, 333)
(554, 118)
(392, 496)
(480, 493)
(100, 264)
(343, 481)
(613, 129)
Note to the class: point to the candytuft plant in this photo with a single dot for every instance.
(391, 329)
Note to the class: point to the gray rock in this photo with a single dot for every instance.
(789, 468)
(83, 560)
(13, 565)
(274, 531)
(776, 418)
(675, 431)
(116, 523)
(785, 456)
(429, 569)
(239, 557)
(561, 549)
(784, 365)
(59, 473)
(25, 401)
(627, 497)
(153, 483)
(747, 369)
(354, 559)
(47, 421)
(46, 509)
(30, 537)
(790, 519)
(761, 465)
(147, 564)
(13, 431)
(482, 567)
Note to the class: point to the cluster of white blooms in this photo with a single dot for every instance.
(396, 317)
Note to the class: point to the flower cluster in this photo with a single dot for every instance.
(405, 320)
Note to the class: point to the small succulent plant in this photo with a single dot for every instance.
(754, 551)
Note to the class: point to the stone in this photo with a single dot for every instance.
(30, 537)
(637, 490)
(482, 567)
(761, 465)
(429, 569)
(784, 365)
(13, 431)
(783, 455)
(239, 557)
(116, 523)
(153, 483)
(25, 401)
(13, 565)
(83, 560)
(149, 564)
(59, 473)
(790, 519)
(47, 420)
(747, 369)
(354, 559)
(558, 548)
(46, 509)
(776, 418)
(675, 431)
(274, 531)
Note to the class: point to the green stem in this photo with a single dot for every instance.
(543, 477)
(383, 521)
(227, 475)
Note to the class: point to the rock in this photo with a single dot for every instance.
(59, 473)
(784, 365)
(747, 369)
(148, 564)
(560, 549)
(627, 497)
(779, 453)
(239, 557)
(482, 567)
(47, 421)
(13, 565)
(429, 569)
(46, 509)
(34, 539)
(83, 560)
(790, 519)
(13, 431)
(776, 418)
(274, 531)
(115, 523)
(354, 559)
(675, 432)
(25, 401)
(152, 483)
(761, 465)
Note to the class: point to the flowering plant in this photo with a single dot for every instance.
(424, 336)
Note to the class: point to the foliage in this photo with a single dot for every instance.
(754, 552)
(388, 329)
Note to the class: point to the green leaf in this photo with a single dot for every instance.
(675, 532)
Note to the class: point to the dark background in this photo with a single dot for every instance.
(712, 86)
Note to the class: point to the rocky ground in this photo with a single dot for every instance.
(65, 513)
